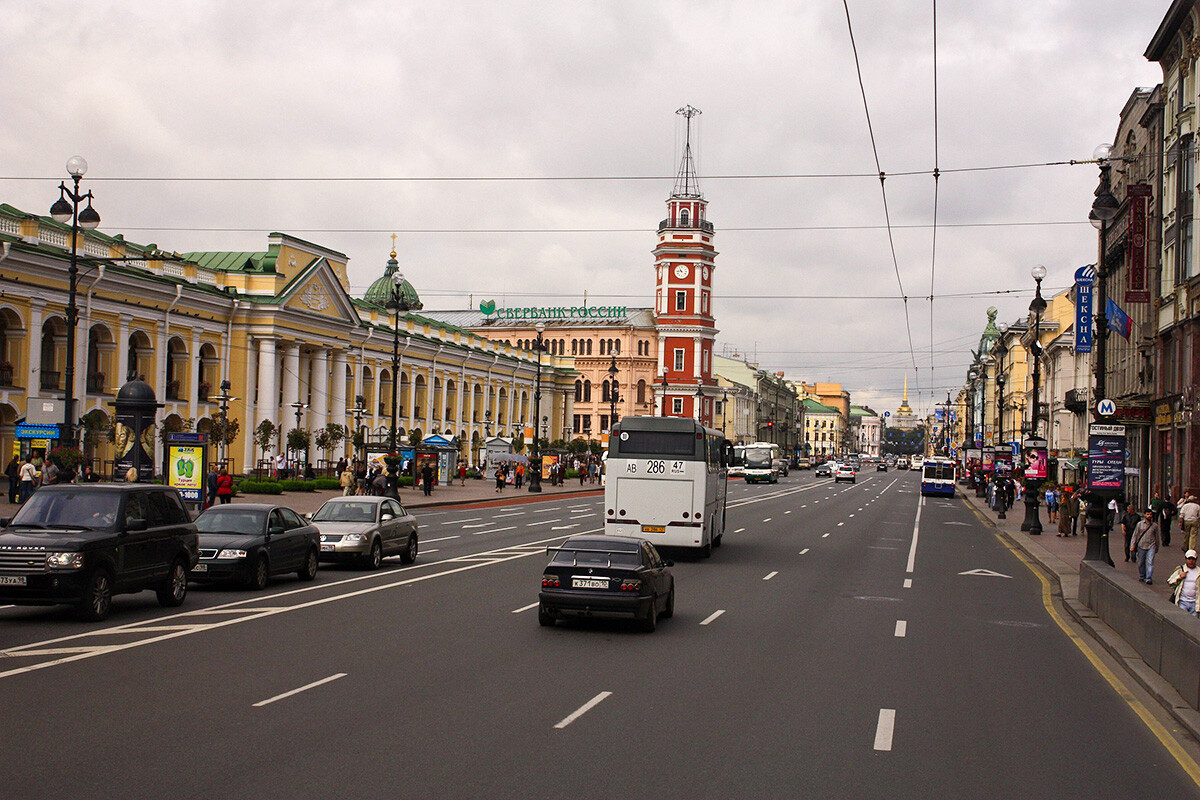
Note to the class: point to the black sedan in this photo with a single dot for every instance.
(250, 542)
(606, 576)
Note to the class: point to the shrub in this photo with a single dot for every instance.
(258, 487)
(406, 480)
(297, 486)
(325, 483)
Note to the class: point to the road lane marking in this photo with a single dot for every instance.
(525, 608)
(908, 583)
(304, 688)
(544, 510)
(513, 514)
(457, 521)
(426, 552)
(712, 616)
(912, 551)
(440, 539)
(564, 527)
(770, 575)
(859, 510)
(768, 519)
(824, 535)
(840, 524)
(543, 522)
(805, 550)
(787, 512)
(583, 709)
(901, 627)
(494, 530)
(480, 525)
(885, 729)
(739, 530)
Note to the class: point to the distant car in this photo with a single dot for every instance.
(845, 473)
(606, 576)
(881, 467)
(365, 530)
(803, 463)
(249, 542)
(83, 543)
(825, 470)
(902, 463)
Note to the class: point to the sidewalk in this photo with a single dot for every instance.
(1060, 557)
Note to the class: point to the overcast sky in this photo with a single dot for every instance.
(583, 96)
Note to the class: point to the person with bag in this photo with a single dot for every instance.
(346, 481)
(1145, 545)
(224, 487)
(1129, 521)
(1184, 580)
(1189, 521)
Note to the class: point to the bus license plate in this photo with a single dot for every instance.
(654, 529)
(589, 583)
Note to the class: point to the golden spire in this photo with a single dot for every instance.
(393, 245)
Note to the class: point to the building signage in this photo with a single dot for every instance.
(186, 462)
(1135, 253)
(1106, 458)
(1085, 280)
(1133, 414)
(24, 430)
(488, 307)
(1036, 459)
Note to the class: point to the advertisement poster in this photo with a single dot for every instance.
(1136, 287)
(1085, 281)
(185, 470)
(1106, 457)
(1004, 461)
(1036, 460)
(548, 461)
(989, 459)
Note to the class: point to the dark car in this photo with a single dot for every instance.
(606, 576)
(365, 530)
(83, 543)
(881, 466)
(250, 542)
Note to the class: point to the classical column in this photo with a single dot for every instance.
(268, 393)
(337, 386)
(320, 389)
(33, 386)
(291, 373)
(194, 376)
(250, 450)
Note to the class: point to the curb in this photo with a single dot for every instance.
(1064, 582)
(511, 499)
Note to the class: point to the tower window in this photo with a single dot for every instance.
(679, 356)
(684, 218)
(681, 300)
(676, 405)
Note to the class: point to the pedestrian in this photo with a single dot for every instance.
(13, 471)
(520, 476)
(1052, 503)
(1129, 521)
(583, 472)
(1145, 544)
(1169, 509)
(28, 479)
(379, 484)
(499, 478)
(462, 475)
(341, 466)
(1184, 581)
(210, 487)
(1189, 521)
(224, 486)
(280, 466)
(346, 479)
(49, 473)
(427, 478)
(360, 478)
(1111, 512)
(1065, 521)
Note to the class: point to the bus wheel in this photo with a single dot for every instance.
(706, 551)
(717, 541)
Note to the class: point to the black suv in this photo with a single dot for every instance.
(81, 544)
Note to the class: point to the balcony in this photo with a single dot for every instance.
(1076, 400)
(95, 383)
(703, 225)
(50, 381)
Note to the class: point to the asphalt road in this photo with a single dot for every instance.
(846, 641)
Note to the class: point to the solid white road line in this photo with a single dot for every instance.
(768, 519)
(787, 512)
(457, 521)
(494, 530)
(885, 729)
(583, 709)
(425, 551)
(770, 575)
(901, 627)
(805, 550)
(525, 608)
(912, 551)
(739, 530)
(712, 616)
(544, 510)
(908, 583)
(304, 688)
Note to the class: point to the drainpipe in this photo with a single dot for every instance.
(88, 307)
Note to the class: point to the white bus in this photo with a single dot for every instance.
(761, 462)
(667, 482)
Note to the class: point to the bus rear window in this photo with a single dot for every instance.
(655, 443)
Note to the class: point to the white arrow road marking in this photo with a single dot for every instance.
(986, 573)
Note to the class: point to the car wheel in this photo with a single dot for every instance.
(375, 558)
(97, 596)
(650, 623)
(309, 570)
(173, 590)
(261, 574)
(409, 554)
(669, 611)
(545, 618)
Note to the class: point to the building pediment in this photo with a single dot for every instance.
(317, 291)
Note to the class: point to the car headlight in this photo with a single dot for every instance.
(64, 560)
(231, 554)
(354, 538)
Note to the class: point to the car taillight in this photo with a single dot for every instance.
(550, 582)
(630, 585)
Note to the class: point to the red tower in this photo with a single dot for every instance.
(683, 305)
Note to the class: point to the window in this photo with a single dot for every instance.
(684, 218)
(704, 302)
(676, 405)
(617, 345)
(578, 392)
(680, 300)
(577, 424)
(587, 391)
(604, 422)
(679, 356)
(641, 391)
(718, 407)
(589, 347)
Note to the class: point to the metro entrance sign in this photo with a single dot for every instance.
(1106, 407)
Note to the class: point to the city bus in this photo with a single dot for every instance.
(761, 462)
(937, 477)
(738, 463)
(667, 482)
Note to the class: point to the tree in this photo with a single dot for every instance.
(97, 428)
(329, 437)
(264, 435)
(174, 424)
(299, 439)
(578, 446)
(224, 430)
(415, 436)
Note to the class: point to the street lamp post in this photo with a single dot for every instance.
(664, 383)
(1104, 209)
(724, 408)
(298, 407)
(67, 208)
(359, 411)
(1033, 484)
(224, 399)
(535, 462)
(699, 400)
(397, 304)
(613, 394)
(1000, 348)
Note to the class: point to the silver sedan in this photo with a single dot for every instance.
(365, 530)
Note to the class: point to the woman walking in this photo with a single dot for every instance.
(224, 486)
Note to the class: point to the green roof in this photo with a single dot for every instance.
(816, 407)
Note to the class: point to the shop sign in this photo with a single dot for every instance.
(1164, 416)
(1085, 281)
(25, 430)
(1133, 414)
(1135, 254)
(488, 307)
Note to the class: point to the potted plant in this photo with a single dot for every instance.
(202, 389)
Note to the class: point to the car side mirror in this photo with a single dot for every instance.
(276, 529)
(386, 517)
(135, 524)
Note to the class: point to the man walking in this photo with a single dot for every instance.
(1129, 521)
(13, 472)
(28, 478)
(1189, 521)
(427, 479)
(1184, 581)
(1145, 544)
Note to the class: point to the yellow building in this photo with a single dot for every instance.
(278, 325)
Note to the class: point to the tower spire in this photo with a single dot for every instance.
(686, 183)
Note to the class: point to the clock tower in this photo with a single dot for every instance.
(683, 304)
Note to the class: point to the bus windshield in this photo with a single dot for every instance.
(939, 471)
(757, 457)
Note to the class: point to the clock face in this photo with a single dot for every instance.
(681, 271)
(706, 273)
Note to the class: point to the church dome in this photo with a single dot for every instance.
(380, 291)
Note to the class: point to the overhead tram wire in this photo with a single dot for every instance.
(936, 184)
(882, 185)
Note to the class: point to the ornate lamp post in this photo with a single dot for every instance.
(699, 400)
(535, 462)
(359, 411)
(724, 405)
(67, 208)
(298, 407)
(397, 304)
(1104, 209)
(1000, 348)
(613, 393)
(224, 399)
(1033, 484)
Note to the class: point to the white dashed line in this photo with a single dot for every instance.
(885, 729)
(824, 535)
(712, 616)
(901, 627)
(770, 575)
(908, 583)
(768, 519)
(805, 550)
(586, 707)
(304, 688)
(494, 530)
(458, 521)
(739, 530)
(441, 539)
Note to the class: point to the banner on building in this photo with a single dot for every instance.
(1118, 320)
(1135, 252)
(1085, 281)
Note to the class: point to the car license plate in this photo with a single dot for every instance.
(12, 580)
(654, 529)
(200, 568)
(589, 583)
(328, 548)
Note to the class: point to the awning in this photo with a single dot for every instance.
(1073, 464)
